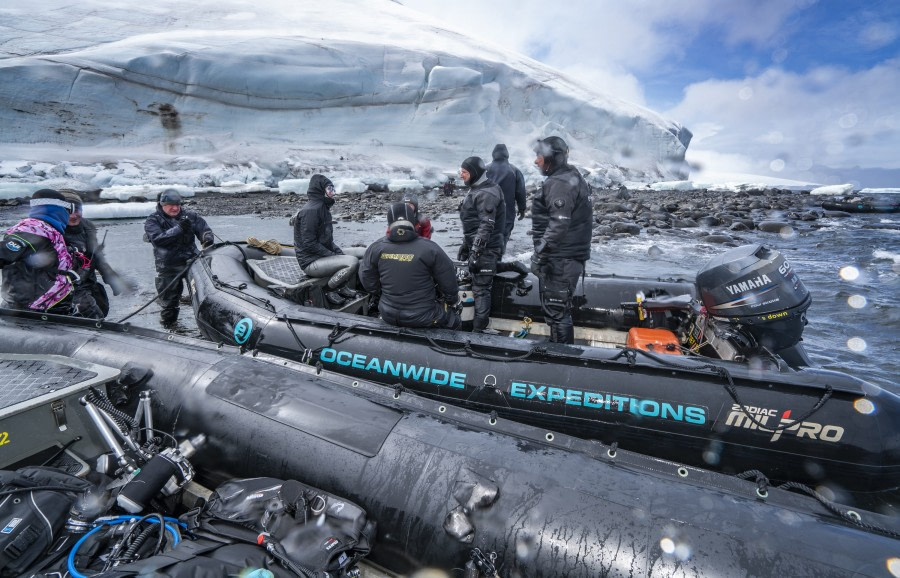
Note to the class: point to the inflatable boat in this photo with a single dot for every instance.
(447, 487)
(649, 374)
(864, 205)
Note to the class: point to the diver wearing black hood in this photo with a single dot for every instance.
(512, 183)
(413, 275)
(562, 222)
(314, 242)
(483, 215)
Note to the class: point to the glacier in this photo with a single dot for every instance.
(98, 94)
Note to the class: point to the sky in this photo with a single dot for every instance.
(798, 89)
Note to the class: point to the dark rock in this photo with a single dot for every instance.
(716, 239)
(683, 223)
(626, 228)
(774, 226)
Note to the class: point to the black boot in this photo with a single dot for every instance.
(562, 333)
(334, 298)
(347, 292)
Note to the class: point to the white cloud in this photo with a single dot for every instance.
(829, 116)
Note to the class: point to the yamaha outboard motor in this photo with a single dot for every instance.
(754, 303)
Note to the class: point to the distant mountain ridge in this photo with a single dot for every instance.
(347, 84)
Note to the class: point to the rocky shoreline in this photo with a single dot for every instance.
(710, 216)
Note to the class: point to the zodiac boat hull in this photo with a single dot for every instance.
(440, 480)
(834, 429)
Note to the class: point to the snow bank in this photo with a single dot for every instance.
(838, 190)
(118, 210)
(148, 192)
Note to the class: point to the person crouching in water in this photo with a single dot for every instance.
(415, 279)
(314, 242)
(38, 271)
(171, 229)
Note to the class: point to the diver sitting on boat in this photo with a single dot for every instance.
(314, 242)
(415, 279)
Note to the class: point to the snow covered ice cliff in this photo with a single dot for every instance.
(206, 92)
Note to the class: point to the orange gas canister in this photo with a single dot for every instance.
(653, 340)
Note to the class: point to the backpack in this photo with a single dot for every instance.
(318, 531)
(34, 506)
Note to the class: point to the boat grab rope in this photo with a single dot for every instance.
(219, 284)
(159, 293)
(629, 353)
(763, 484)
(470, 352)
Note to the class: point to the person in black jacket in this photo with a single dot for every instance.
(415, 279)
(512, 183)
(314, 242)
(562, 222)
(171, 229)
(38, 272)
(483, 214)
(81, 239)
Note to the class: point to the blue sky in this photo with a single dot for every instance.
(795, 89)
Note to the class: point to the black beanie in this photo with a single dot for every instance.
(399, 212)
(476, 168)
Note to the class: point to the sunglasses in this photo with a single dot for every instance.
(329, 189)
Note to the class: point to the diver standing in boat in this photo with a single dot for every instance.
(37, 267)
(171, 230)
(562, 217)
(415, 279)
(512, 183)
(314, 242)
(483, 216)
(81, 239)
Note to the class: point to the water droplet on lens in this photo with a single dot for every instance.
(857, 301)
(849, 273)
(856, 344)
(864, 406)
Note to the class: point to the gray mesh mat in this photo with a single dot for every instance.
(284, 271)
(24, 379)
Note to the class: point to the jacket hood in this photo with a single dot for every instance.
(500, 153)
(317, 185)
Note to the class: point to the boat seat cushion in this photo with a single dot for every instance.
(282, 271)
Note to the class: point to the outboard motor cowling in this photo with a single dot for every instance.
(757, 293)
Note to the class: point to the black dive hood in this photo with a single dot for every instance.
(755, 287)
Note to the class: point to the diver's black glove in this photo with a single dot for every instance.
(521, 214)
(208, 241)
(185, 225)
(463, 254)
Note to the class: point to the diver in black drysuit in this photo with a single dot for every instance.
(415, 279)
(171, 229)
(512, 183)
(483, 214)
(317, 254)
(562, 222)
(89, 295)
